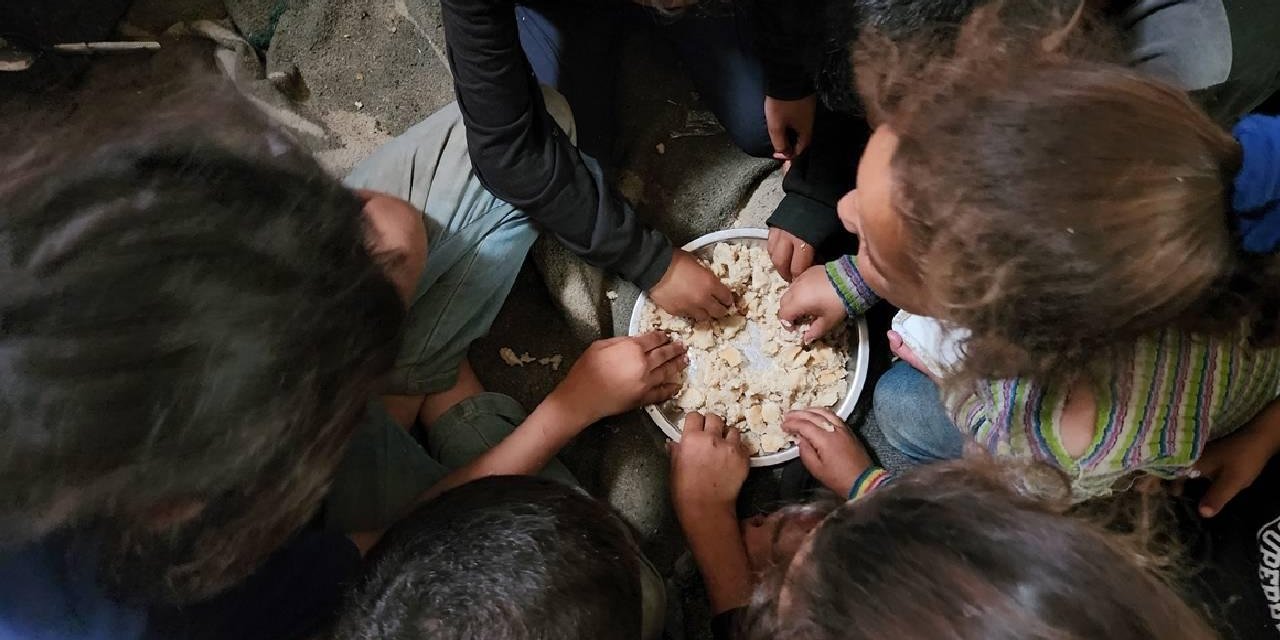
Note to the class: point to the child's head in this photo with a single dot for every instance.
(952, 551)
(191, 328)
(505, 558)
(1051, 202)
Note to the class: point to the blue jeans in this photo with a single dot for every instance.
(575, 49)
(909, 411)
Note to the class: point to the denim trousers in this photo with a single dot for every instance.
(909, 411)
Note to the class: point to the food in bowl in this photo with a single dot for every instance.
(746, 366)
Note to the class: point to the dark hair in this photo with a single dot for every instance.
(1059, 204)
(954, 551)
(190, 324)
(502, 558)
(935, 22)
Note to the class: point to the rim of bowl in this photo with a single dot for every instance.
(858, 369)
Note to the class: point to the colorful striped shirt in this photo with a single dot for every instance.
(854, 292)
(1158, 403)
(869, 480)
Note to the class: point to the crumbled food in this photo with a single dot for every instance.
(508, 356)
(512, 360)
(746, 367)
(612, 295)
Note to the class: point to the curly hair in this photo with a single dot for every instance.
(1058, 204)
(191, 326)
(963, 549)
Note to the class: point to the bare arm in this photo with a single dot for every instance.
(612, 376)
(708, 467)
(716, 544)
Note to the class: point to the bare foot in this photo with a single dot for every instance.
(436, 404)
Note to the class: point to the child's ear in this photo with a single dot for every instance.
(396, 239)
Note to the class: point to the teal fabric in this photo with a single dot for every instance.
(386, 469)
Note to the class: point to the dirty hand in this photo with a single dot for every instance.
(1232, 463)
(828, 450)
(812, 296)
(787, 117)
(620, 374)
(688, 289)
(790, 255)
(708, 465)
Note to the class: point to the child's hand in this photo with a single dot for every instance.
(908, 355)
(708, 466)
(790, 255)
(620, 374)
(827, 448)
(784, 117)
(1232, 463)
(812, 296)
(689, 290)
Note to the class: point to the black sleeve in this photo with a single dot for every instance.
(724, 626)
(1236, 558)
(294, 595)
(819, 178)
(785, 37)
(521, 155)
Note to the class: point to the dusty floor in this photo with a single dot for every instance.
(357, 73)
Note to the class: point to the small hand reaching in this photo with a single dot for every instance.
(620, 374)
(812, 296)
(1231, 464)
(688, 289)
(790, 255)
(827, 448)
(708, 466)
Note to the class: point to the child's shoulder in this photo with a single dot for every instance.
(1158, 401)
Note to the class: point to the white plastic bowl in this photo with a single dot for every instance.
(858, 347)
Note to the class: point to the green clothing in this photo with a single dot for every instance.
(386, 469)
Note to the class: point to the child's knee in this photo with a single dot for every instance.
(909, 412)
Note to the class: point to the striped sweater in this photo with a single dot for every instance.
(1158, 402)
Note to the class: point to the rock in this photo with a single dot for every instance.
(288, 81)
(764, 199)
(344, 52)
(256, 19)
(576, 287)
